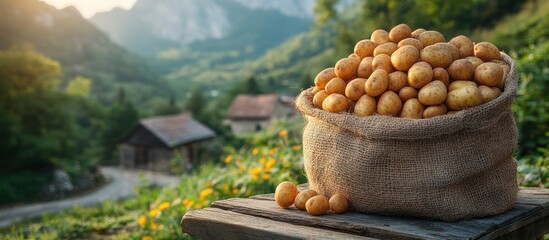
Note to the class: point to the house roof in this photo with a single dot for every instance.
(175, 130)
(252, 106)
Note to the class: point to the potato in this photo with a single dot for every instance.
(420, 74)
(400, 32)
(454, 51)
(415, 33)
(488, 93)
(412, 108)
(407, 93)
(302, 198)
(464, 45)
(379, 36)
(442, 75)
(412, 42)
(383, 61)
(352, 55)
(336, 85)
(338, 203)
(433, 93)
(397, 80)
(460, 83)
(461, 69)
(506, 70)
(317, 205)
(436, 55)
(377, 83)
(435, 110)
(386, 48)
(346, 68)
(475, 61)
(365, 68)
(389, 103)
(285, 194)
(404, 57)
(464, 97)
(365, 48)
(486, 51)
(351, 104)
(319, 98)
(489, 74)
(365, 106)
(324, 77)
(355, 89)
(335, 103)
(316, 89)
(430, 38)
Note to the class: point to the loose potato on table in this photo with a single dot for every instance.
(464, 45)
(285, 194)
(486, 51)
(400, 32)
(420, 74)
(365, 68)
(355, 89)
(338, 203)
(324, 77)
(430, 38)
(461, 69)
(433, 93)
(411, 42)
(302, 197)
(365, 48)
(404, 57)
(407, 93)
(412, 109)
(336, 85)
(377, 83)
(383, 61)
(460, 83)
(386, 48)
(379, 36)
(436, 56)
(317, 205)
(435, 110)
(389, 104)
(335, 103)
(489, 93)
(346, 68)
(365, 106)
(319, 98)
(464, 97)
(489, 74)
(397, 80)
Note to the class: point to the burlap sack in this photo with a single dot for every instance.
(448, 168)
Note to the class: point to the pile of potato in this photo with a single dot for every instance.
(286, 195)
(412, 74)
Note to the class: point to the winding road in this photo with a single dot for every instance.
(121, 185)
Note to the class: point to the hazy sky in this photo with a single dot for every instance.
(90, 7)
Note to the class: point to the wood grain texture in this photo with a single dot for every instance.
(214, 223)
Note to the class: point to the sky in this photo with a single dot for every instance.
(88, 8)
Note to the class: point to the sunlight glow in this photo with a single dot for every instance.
(88, 8)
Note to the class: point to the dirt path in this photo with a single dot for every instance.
(120, 186)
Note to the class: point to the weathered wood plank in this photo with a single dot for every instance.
(214, 223)
(376, 226)
(529, 227)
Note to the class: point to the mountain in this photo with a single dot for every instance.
(80, 47)
(150, 26)
(294, 8)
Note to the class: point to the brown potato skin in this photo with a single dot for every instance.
(442, 75)
(383, 61)
(412, 108)
(389, 104)
(346, 68)
(335, 103)
(285, 194)
(365, 48)
(404, 57)
(420, 74)
(316, 89)
(397, 80)
(338, 203)
(324, 77)
(387, 48)
(355, 89)
(489, 93)
(379, 36)
(486, 51)
(407, 93)
(461, 69)
(464, 97)
(464, 45)
(475, 61)
(352, 55)
(399, 32)
(302, 198)
(411, 42)
(437, 56)
(430, 38)
(336, 85)
(377, 83)
(317, 205)
(460, 83)
(433, 93)
(436, 110)
(365, 68)
(415, 33)
(319, 98)
(489, 74)
(365, 106)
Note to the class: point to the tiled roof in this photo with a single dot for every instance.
(175, 130)
(253, 106)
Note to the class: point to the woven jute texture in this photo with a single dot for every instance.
(449, 167)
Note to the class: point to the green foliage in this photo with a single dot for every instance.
(22, 185)
(79, 86)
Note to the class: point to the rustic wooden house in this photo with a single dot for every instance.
(250, 113)
(155, 141)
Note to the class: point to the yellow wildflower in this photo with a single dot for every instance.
(189, 204)
(262, 160)
(296, 147)
(273, 151)
(270, 164)
(255, 151)
(255, 171)
(163, 206)
(226, 188)
(265, 176)
(242, 168)
(235, 190)
(142, 221)
(283, 133)
(228, 159)
(153, 226)
(255, 177)
(146, 238)
(197, 205)
(208, 183)
(153, 213)
(185, 202)
(206, 192)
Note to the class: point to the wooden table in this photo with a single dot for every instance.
(259, 217)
